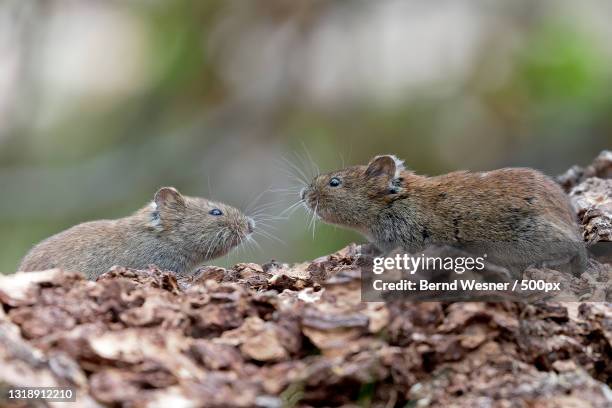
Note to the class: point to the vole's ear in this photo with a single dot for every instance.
(162, 210)
(386, 165)
(168, 197)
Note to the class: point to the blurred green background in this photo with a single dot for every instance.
(101, 103)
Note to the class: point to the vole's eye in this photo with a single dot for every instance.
(334, 182)
(216, 212)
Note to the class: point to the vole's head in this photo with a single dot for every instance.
(209, 229)
(353, 197)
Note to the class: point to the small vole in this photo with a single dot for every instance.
(517, 216)
(174, 232)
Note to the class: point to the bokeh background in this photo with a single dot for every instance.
(102, 102)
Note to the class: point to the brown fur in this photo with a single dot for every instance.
(518, 216)
(174, 232)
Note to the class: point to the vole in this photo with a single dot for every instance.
(517, 216)
(174, 232)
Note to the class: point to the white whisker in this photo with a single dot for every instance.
(313, 164)
(251, 240)
(299, 173)
(256, 200)
(268, 235)
(314, 219)
(291, 208)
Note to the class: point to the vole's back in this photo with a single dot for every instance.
(90, 247)
(500, 205)
(517, 212)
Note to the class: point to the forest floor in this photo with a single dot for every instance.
(279, 335)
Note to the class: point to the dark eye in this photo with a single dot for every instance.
(216, 212)
(335, 182)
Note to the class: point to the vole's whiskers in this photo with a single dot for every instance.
(263, 207)
(212, 243)
(224, 237)
(230, 235)
(291, 209)
(292, 176)
(298, 173)
(254, 202)
(289, 191)
(269, 235)
(244, 245)
(301, 177)
(312, 164)
(266, 227)
(263, 221)
(313, 220)
(307, 169)
(264, 224)
(253, 242)
(267, 218)
(303, 164)
(283, 190)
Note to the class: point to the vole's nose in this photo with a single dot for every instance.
(251, 225)
(303, 193)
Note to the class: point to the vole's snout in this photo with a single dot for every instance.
(250, 225)
(308, 196)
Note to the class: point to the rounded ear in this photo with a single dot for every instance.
(386, 165)
(168, 196)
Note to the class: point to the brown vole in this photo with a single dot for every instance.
(517, 216)
(174, 232)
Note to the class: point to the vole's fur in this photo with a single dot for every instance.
(174, 232)
(518, 216)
